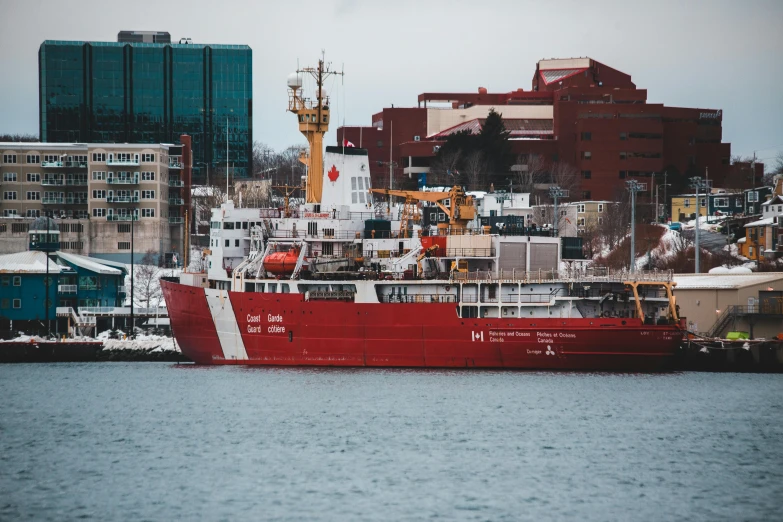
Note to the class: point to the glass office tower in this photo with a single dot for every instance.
(109, 92)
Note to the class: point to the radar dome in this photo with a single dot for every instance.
(294, 81)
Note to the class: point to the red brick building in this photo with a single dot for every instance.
(578, 111)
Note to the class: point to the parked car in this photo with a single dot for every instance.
(675, 226)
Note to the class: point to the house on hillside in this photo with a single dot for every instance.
(683, 207)
(762, 237)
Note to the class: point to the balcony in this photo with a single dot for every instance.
(175, 162)
(176, 201)
(66, 289)
(128, 162)
(176, 183)
(76, 182)
(57, 200)
(70, 200)
(121, 217)
(64, 164)
(114, 180)
(122, 199)
(176, 220)
(122, 289)
(52, 182)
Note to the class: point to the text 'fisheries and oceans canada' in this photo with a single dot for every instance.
(272, 328)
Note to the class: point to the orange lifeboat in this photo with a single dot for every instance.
(281, 263)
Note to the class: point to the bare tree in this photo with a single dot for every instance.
(146, 280)
(566, 176)
(615, 224)
(444, 167)
(533, 170)
(475, 170)
(592, 242)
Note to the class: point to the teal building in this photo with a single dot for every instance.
(37, 286)
(139, 92)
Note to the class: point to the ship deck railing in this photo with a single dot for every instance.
(419, 298)
(334, 295)
(582, 276)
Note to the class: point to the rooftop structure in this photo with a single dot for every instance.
(578, 111)
(144, 89)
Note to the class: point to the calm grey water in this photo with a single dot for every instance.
(156, 441)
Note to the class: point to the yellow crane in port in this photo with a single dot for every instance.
(460, 208)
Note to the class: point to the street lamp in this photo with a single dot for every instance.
(698, 183)
(657, 208)
(556, 192)
(633, 187)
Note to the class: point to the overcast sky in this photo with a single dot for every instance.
(712, 54)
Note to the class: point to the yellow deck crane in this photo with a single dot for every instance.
(460, 209)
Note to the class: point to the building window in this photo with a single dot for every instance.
(33, 196)
(581, 209)
(51, 158)
(9, 158)
(148, 158)
(587, 155)
(623, 136)
(9, 212)
(586, 174)
(380, 143)
(9, 177)
(99, 157)
(148, 176)
(33, 213)
(99, 176)
(623, 173)
(586, 194)
(753, 196)
(328, 249)
(99, 212)
(228, 243)
(17, 303)
(751, 209)
(98, 194)
(147, 194)
(33, 159)
(236, 242)
(124, 228)
(686, 203)
(721, 202)
(17, 280)
(600, 207)
(703, 202)
(148, 212)
(123, 245)
(581, 222)
(623, 155)
(33, 178)
(587, 136)
(9, 195)
(600, 221)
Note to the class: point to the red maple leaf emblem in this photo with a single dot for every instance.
(333, 174)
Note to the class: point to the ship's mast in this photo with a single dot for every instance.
(313, 123)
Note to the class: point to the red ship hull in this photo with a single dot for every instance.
(286, 330)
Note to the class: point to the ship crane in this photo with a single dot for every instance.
(460, 209)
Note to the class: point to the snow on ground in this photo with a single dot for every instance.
(710, 223)
(143, 341)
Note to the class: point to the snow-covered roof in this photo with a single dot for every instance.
(99, 267)
(32, 261)
(741, 240)
(725, 281)
(761, 222)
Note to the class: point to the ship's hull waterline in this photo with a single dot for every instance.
(275, 329)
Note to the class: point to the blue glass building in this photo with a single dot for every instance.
(112, 92)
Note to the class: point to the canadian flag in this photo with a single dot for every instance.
(347, 143)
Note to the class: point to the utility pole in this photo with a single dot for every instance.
(698, 184)
(556, 192)
(633, 187)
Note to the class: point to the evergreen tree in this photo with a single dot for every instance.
(493, 142)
